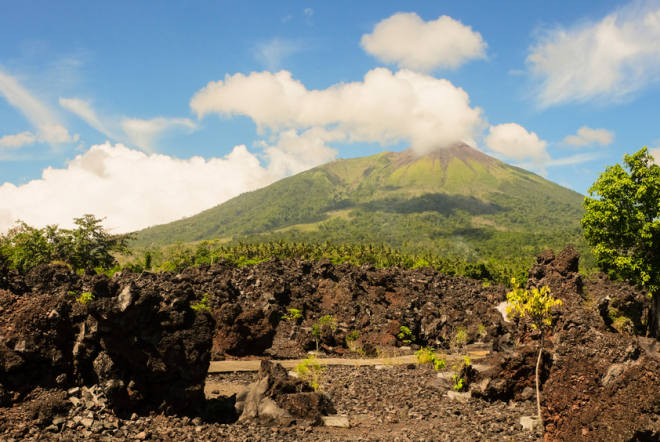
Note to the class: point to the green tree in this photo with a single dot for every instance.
(622, 225)
(90, 244)
(26, 247)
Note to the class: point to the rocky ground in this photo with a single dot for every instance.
(131, 363)
(397, 403)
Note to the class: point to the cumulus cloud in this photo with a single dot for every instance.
(85, 111)
(409, 41)
(513, 141)
(384, 108)
(144, 189)
(294, 153)
(587, 136)
(607, 60)
(272, 53)
(18, 140)
(142, 133)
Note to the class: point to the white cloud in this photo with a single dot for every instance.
(84, 111)
(385, 108)
(48, 133)
(273, 52)
(295, 153)
(55, 134)
(18, 96)
(142, 133)
(655, 153)
(132, 189)
(513, 141)
(50, 130)
(587, 136)
(308, 12)
(409, 41)
(607, 60)
(18, 140)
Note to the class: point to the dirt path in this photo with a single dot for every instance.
(233, 366)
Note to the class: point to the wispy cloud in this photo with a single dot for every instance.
(608, 60)
(142, 133)
(85, 111)
(50, 130)
(272, 53)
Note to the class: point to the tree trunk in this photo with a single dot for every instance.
(538, 364)
(654, 317)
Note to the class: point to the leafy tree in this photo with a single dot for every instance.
(537, 305)
(622, 225)
(26, 247)
(90, 244)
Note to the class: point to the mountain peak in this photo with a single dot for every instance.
(445, 155)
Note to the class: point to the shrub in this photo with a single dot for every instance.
(201, 305)
(85, 297)
(427, 356)
(316, 328)
(293, 314)
(405, 335)
(312, 371)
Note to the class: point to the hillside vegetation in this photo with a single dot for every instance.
(455, 201)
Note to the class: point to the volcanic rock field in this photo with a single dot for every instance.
(133, 364)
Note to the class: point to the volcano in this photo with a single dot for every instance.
(456, 195)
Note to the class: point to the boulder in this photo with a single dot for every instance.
(277, 398)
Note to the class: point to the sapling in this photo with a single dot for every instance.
(405, 335)
(316, 328)
(536, 304)
(293, 314)
(85, 297)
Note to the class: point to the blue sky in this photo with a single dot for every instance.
(145, 112)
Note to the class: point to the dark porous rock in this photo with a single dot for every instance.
(277, 397)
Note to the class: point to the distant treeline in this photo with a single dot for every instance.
(179, 256)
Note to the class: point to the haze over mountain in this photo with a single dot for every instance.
(450, 199)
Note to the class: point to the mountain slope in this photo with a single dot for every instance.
(452, 195)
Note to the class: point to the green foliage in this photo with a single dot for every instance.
(621, 222)
(405, 335)
(87, 245)
(458, 383)
(473, 210)
(459, 339)
(293, 315)
(202, 305)
(312, 371)
(317, 327)
(427, 356)
(353, 336)
(481, 330)
(536, 304)
(85, 297)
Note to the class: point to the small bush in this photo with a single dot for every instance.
(85, 297)
(201, 305)
(405, 335)
(427, 356)
(312, 371)
(293, 314)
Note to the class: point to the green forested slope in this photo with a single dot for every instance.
(456, 200)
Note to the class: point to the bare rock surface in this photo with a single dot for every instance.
(132, 364)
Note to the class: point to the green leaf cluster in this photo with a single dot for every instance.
(536, 304)
(88, 245)
(622, 222)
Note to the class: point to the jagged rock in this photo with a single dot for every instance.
(278, 397)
